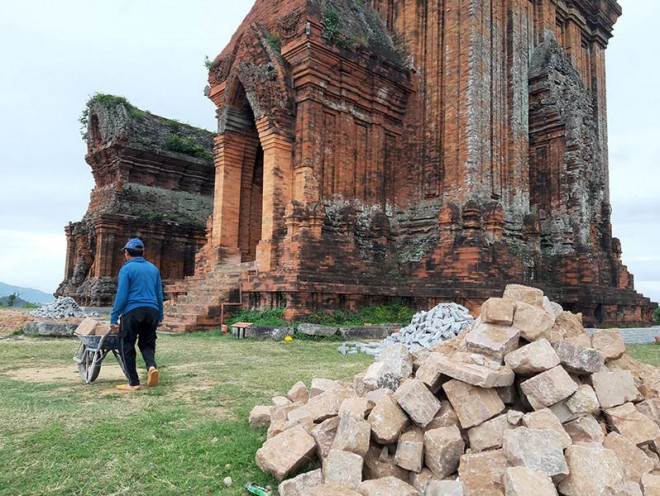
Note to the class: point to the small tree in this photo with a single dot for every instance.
(11, 299)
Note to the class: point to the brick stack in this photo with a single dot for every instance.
(524, 402)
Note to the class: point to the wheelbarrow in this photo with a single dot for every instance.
(92, 351)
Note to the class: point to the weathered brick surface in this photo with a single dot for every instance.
(354, 164)
(142, 188)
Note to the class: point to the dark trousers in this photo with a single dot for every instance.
(138, 325)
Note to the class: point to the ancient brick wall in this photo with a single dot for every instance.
(428, 151)
(153, 180)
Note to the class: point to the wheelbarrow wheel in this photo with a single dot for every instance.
(87, 369)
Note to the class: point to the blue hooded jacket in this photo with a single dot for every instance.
(139, 285)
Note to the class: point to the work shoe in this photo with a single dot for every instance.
(128, 388)
(152, 377)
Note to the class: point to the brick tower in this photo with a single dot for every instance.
(427, 151)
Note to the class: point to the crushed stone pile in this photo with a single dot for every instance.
(62, 308)
(524, 402)
(426, 329)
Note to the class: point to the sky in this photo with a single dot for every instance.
(57, 54)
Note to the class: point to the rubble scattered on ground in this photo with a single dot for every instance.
(62, 308)
(426, 329)
(524, 402)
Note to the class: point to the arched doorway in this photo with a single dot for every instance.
(252, 185)
(239, 178)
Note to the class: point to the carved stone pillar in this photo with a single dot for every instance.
(276, 191)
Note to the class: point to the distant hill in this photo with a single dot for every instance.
(26, 294)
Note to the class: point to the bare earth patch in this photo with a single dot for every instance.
(13, 320)
(65, 374)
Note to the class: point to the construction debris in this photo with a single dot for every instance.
(426, 329)
(515, 405)
(63, 307)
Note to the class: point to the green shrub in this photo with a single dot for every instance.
(273, 317)
(109, 103)
(187, 145)
(656, 315)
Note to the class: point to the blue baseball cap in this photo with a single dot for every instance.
(134, 244)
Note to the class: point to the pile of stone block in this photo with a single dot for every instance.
(62, 308)
(523, 403)
(426, 329)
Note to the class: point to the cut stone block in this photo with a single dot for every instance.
(548, 388)
(545, 419)
(650, 408)
(462, 366)
(532, 321)
(331, 490)
(523, 481)
(567, 326)
(387, 486)
(583, 401)
(615, 388)
(321, 385)
(317, 330)
(593, 469)
(627, 488)
(398, 359)
(561, 411)
(634, 461)
(629, 422)
(286, 452)
(444, 488)
(299, 416)
(281, 401)
(482, 474)
(497, 311)
(578, 359)
(651, 484)
(260, 416)
(443, 448)
(298, 393)
(422, 480)
(343, 467)
(445, 417)
(417, 401)
(279, 418)
(387, 420)
(380, 375)
(300, 485)
(357, 407)
(377, 394)
(324, 435)
(327, 404)
(539, 450)
(472, 404)
(429, 371)
(489, 435)
(585, 430)
(380, 463)
(609, 343)
(533, 358)
(492, 341)
(518, 292)
(410, 450)
(353, 434)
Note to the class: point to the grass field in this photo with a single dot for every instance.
(59, 436)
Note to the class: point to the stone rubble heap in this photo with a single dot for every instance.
(523, 403)
(62, 308)
(444, 321)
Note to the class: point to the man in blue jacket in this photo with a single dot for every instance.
(139, 303)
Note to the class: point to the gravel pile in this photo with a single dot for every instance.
(425, 330)
(62, 308)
